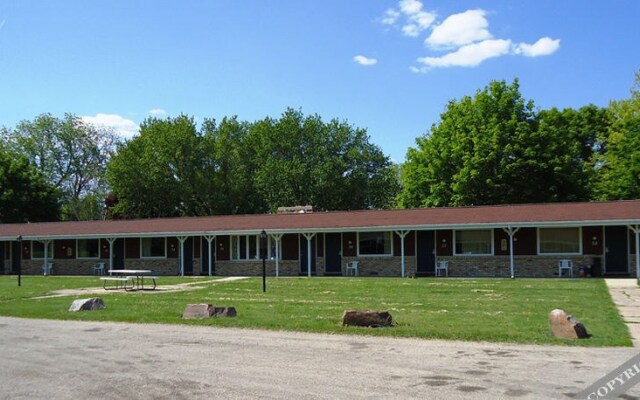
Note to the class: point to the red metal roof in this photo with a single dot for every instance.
(550, 214)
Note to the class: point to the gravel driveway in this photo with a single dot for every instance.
(43, 359)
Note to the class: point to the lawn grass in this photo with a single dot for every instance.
(497, 310)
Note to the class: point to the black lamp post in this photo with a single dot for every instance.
(19, 240)
(263, 255)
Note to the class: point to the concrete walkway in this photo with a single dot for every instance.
(626, 296)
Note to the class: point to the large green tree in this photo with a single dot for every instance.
(24, 193)
(158, 173)
(619, 167)
(240, 167)
(71, 155)
(229, 168)
(302, 160)
(494, 148)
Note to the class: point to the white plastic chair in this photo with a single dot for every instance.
(565, 265)
(98, 268)
(47, 268)
(352, 268)
(442, 266)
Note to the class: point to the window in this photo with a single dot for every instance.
(37, 250)
(374, 243)
(474, 242)
(88, 248)
(247, 247)
(153, 247)
(559, 241)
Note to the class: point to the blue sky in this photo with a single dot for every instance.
(387, 66)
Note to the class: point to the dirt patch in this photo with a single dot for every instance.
(180, 287)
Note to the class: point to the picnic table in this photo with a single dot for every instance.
(129, 279)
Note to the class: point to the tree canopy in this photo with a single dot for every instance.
(619, 168)
(71, 155)
(25, 196)
(172, 168)
(302, 160)
(496, 148)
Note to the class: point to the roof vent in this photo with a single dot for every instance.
(295, 210)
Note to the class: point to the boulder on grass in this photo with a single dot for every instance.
(368, 318)
(564, 326)
(92, 304)
(206, 311)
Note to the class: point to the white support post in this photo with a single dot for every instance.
(111, 240)
(209, 239)
(636, 230)
(45, 267)
(402, 235)
(277, 237)
(182, 239)
(511, 232)
(309, 236)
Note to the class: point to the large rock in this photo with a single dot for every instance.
(87, 304)
(369, 318)
(206, 311)
(564, 326)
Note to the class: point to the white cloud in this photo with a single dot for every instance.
(2, 23)
(410, 6)
(464, 36)
(362, 60)
(122, 126)
(416, 20)
(390, 17)
(459, 30)
(543, 47)
(470, 55)
(157, 112)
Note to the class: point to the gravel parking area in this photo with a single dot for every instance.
(47, 359)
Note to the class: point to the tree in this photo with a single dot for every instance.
(71, 155)
(158, 173)
(239, 167)
(229, 167)
(493, 149)
(619, 166)
(304, 161)
(24, 193)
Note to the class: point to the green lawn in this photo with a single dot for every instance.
(500, 310)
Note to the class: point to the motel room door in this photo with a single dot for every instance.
(616, 250)
(118, 254)
(16, 256)
(303, 255)
(332, 257)
(188, 256)
(425, 257)
(3, 247)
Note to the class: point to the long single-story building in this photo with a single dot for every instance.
(529, 240)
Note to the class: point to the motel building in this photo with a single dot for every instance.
(531, 240)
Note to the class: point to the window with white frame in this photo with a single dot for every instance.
(155, 247)
(88, 248)
(375, 243)
(477, 241)
(37, 250)
(559, 241)
(247, 247)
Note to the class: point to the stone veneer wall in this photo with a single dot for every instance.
(254, 268)
(524, 266)
(163, 266)
(383, 266)
(459, 266)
